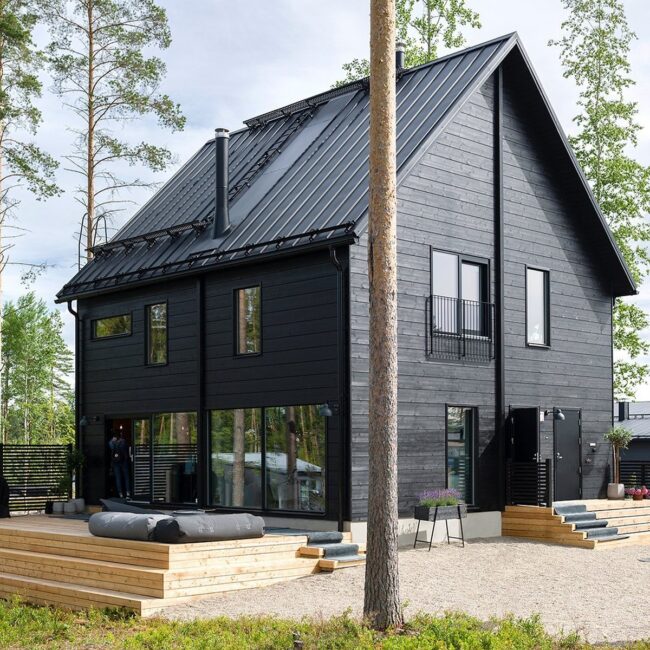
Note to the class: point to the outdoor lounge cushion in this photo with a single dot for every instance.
(124, 525)
(121, 505)
(208, 528)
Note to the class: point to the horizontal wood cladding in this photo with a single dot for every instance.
(445, 202)
(543, 227)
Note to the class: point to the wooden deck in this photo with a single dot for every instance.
(631, 518)
(58, 562)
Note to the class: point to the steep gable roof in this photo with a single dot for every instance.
(298, 178)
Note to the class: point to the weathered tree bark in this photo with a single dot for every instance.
(382, 605)
(90, 144)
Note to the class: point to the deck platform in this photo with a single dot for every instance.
(593, 523)
(57, 561)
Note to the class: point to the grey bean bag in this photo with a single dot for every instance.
(121, 505)
(124, 525)
(208, 528)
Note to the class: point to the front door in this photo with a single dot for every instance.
(523, 436)
(567, 441)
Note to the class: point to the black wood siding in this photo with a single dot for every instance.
(299, 363)
(544, 227)
(447, 202)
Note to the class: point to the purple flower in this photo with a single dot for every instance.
(440, 497)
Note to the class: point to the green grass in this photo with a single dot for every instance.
(25, 626)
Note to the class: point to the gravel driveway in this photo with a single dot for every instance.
(601, 594)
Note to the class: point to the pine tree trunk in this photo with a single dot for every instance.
(90, 142)
(382, 602)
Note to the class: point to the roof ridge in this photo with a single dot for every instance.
(359, 84)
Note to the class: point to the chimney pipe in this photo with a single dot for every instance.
(399, 56)
(221, 216)
(623, 411)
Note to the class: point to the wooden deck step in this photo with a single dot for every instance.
(335, 564)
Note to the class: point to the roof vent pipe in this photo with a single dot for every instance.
(221, 217)
(400, 49)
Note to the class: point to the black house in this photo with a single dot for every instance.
(224, 329)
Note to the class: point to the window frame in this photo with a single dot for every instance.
(93, 327)
(486, 285)
(147, 335)
(264, 509)
(235, 317)
(547, 306)
(475, 439)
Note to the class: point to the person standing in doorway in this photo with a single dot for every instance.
(120, 464)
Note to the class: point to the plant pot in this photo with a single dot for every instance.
(425, 513)
(70, 508)
(57, 508)
(637, 497)
(80, 505)
(615, 491)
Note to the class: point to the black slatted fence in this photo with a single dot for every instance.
(529, 483)
(34, 474)
(635, 473)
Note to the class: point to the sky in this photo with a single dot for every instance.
(230, 61)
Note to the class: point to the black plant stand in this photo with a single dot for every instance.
(423, 513)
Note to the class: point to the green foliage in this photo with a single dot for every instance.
(422, 25)
(594, 51)
(99, 56)
(37, 403)
(24, 626)
(618, 437)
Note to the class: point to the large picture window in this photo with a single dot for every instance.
(236, 458)
(248, 320)
(295, 458)
(174, 458)
(461, 434)
(156, 334)
(537, 307)
(111, 326)
(272, 458)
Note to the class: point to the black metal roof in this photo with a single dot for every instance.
(298, 177)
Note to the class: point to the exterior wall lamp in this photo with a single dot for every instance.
(557, 414)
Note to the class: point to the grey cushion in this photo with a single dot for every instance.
(124, 525)
(121, 505)
(208, 528)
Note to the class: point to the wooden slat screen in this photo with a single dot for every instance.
(529, 483)
(635, 473)
(33, 473)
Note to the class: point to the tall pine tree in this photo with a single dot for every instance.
(99, 58)
(594, 51)
(22, 163)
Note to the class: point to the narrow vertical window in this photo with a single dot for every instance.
(157, 334)
(537, 307)
(461, 424)
(248, 320)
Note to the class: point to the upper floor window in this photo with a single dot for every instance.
(111, 326)
(156, 316)
(537, 307)
(459, 308)
(248, 320)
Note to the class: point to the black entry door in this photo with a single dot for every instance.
(524, 434)
(567, 439)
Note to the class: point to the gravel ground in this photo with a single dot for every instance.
(601, 594)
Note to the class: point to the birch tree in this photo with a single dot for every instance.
(423, 26)
(382, 605)
(22, 163)
(594, 51)
(101, 69)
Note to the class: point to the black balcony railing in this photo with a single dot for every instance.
(459, 329)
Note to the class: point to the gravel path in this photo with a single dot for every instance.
(602, 594)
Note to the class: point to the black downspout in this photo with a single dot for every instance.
(499, 393)
(78, 358)
(202, 418)
(341, 374)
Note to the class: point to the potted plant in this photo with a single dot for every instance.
(638, 494)
(440, 504)
(619, 438)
